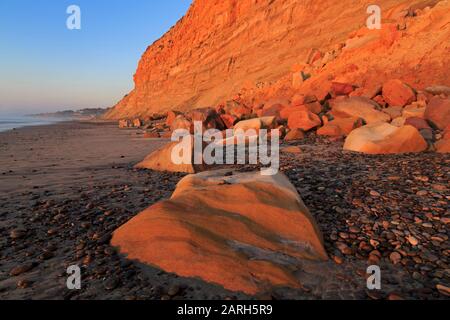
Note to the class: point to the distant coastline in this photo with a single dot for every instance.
(82, 114)
(15, 122)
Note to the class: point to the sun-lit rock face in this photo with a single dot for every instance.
(224, 47)
(243, 231)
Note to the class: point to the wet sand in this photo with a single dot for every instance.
(65, 188)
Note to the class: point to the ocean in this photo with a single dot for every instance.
(9, 123)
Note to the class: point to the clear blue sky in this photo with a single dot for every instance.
(44, 66)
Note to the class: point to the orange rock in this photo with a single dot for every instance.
(209, 118)
(261, 219)
(256, 124)
(237, 109)
(413, 111)
(272, 111)
(438, 112)
(124, 124)
(314, 107)
(342, 89)
(417, 123)
(137, 123)
(294, 135)
(443, 146)
(298, 100)
(340, 127)
(228, 120)
(304, 120)
(162, 159)
(397, 93)
(330, 130)
(287, 111)
(180, 122)
(358, 107)
(384, 138)
(394, 112)
(291, 149)
(171, 116)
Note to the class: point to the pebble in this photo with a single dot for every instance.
(395, 257)
(413, 241)
(23, 284)
(375, 194)
(173, 290)
(16, 271)
(443, 290)
(18, 233)
(343, 248)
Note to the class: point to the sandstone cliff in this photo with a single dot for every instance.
(255, 48)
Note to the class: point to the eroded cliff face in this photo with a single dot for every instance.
(221, 47)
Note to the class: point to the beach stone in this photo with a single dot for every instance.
(245, 251)
(341, 89)
(438, 90)
(294, 135)
(291, 149)
(397, 93)
(18, 270)
(358, 107)
(395, 257)
(209, 118)
(228, 120)
(394, 111)
(384, 138)
(438, 112)
(18, 233)
(171, 116)
(413, 111)
(417, 123)
(444, 290)
(182, 123)
(161, 159)
(256, 124)
(443, 146)
(304, 120)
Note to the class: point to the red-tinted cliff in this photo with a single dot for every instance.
(223, 46)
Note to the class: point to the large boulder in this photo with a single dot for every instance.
(397, 93)
(171, 116)
(237, 109)
(209, 118)
(173, 157)
(358, 107)
(438, 112)
(304, 119)
(182, 123)
(242, 231)
(294, 135)
(384, 138)
(256, 124)
(124, 123)
(443, 146)
(340, 127)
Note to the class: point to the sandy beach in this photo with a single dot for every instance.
(64, 188)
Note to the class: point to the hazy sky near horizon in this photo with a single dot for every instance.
(44, 66)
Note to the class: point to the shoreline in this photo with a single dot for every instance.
(66, 187)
